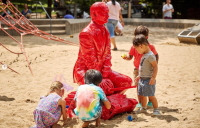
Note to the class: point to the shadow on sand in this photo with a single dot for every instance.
(5, 98)
(164, 110)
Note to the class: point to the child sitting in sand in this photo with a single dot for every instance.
(147, 74)
(137, 57)
(90, 99)
(51, 107)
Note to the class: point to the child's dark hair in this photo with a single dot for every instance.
(93, 76)
(141, 30)
(139, 40)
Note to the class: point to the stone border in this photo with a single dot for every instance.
(76, 25)
(165, 23)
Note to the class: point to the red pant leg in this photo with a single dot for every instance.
(120, 80)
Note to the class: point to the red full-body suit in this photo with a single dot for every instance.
(95, 52)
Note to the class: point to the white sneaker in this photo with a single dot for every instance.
(156, 112)
(141, 110)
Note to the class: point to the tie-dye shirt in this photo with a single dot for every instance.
(89, 98)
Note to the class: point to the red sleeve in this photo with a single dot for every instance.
(132, 51)
(153, 49)
(106, 69)
(88, 51)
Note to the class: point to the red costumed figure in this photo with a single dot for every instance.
(95, 52)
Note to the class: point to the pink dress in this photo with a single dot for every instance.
(47, 112)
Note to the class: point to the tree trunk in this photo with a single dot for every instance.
(75, 8)
(49, 8)
(129, 10)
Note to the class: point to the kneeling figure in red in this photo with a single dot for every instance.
(95, 52)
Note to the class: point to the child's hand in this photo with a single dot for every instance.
(137, 79)
(124, 56)
(152, 81)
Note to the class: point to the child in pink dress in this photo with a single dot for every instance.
(51, 107)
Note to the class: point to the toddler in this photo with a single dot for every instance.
(147, 74)
(51, 107)
(137, 57)
(90, 99)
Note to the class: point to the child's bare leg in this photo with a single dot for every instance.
(98, 122)
(139, 97)
(154, 101)
(54, 125)
(85, 124)
(136, 83)
(149, 99)
(144, 101)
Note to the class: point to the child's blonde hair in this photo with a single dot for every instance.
(54, 85)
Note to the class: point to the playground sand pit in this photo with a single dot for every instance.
(177, 86)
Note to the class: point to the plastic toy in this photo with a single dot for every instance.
(130, 118)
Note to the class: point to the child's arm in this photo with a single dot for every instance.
(155, 70)
(104, 99)
(107, 104)
(62, 103)
(157, 58)
(137, 79)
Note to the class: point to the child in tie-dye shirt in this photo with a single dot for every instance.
(90, 99)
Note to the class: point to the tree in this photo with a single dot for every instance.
(49, 7)
(183, 8)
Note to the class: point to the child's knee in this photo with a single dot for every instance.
(152, 97)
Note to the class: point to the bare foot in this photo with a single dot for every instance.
(85, 124)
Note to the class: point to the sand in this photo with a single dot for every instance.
(177, 88)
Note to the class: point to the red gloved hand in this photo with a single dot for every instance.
(106, 85)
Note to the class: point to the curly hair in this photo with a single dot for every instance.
(139, 40)
(141, 30)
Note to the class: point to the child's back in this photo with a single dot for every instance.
(48, 111)
(49, 103)
(89, 99)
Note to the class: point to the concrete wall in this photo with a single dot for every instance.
(165, 23)
(76, 25)
(71, 25)
(9, 31)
